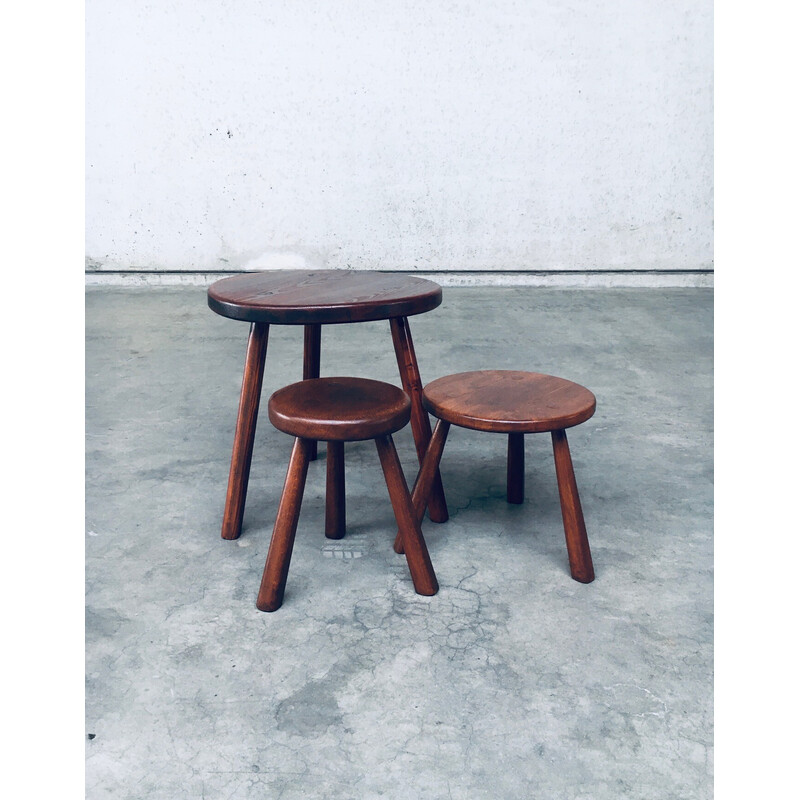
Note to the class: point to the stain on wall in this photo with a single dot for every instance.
(399, 135)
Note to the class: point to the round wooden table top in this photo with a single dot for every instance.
(301, 297)
(508, 401)
(339, 409)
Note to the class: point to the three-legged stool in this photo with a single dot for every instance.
(514, 403)
(338, 410)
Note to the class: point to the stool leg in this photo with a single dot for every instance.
(273, 581)
(245, 430)
(425, 477)
(580, 557)
(515, 470)
(419, 561)
(334, 493)
(420, 424)
(312, 342)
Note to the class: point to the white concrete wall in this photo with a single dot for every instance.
(399, 134)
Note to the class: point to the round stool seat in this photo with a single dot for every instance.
(339, 409)
(508, 401)
(303, 297)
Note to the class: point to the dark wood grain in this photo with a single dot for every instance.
(334, 492)
(312, 344)
(416, 551)
(302, 297)
(515, 468)
(580, 557)
(276, 569)
(509, 401)
(245, 432)
(420, 424)
(343, 409)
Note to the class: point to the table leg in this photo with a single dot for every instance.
(580, 557)
(422, 486)
(245, 430)
(420, 423)
(279, 555)
(311, 351)
(515, 468)
(335, 523)
(417, 556)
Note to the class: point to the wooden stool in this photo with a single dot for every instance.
(514, 403)
(339, 410)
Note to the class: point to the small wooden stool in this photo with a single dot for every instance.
(339, 410)
(514, 403)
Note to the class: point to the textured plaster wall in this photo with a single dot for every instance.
(542, 135)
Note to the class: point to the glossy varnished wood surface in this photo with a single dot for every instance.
(335, 514)
(515, 469)
(312, 346)
(339, 409)
(580, 556)
(304, 297)
(420, 424)
(246, 420)
(416, 551)
(426, 477)
(509, 401)
(276, 569)
(493, 401)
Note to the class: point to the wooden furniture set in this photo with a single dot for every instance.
(344, 409)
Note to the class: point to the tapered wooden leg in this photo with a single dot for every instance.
(273, 581)
(515, 472)
(580, 557)
(312, 343)
(419, 562)
(245, 430)
(425, 477)
(420, 424)
(334, 492)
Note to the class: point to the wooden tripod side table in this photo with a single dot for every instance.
(312, 299)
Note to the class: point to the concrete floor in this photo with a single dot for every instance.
(514, 681)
